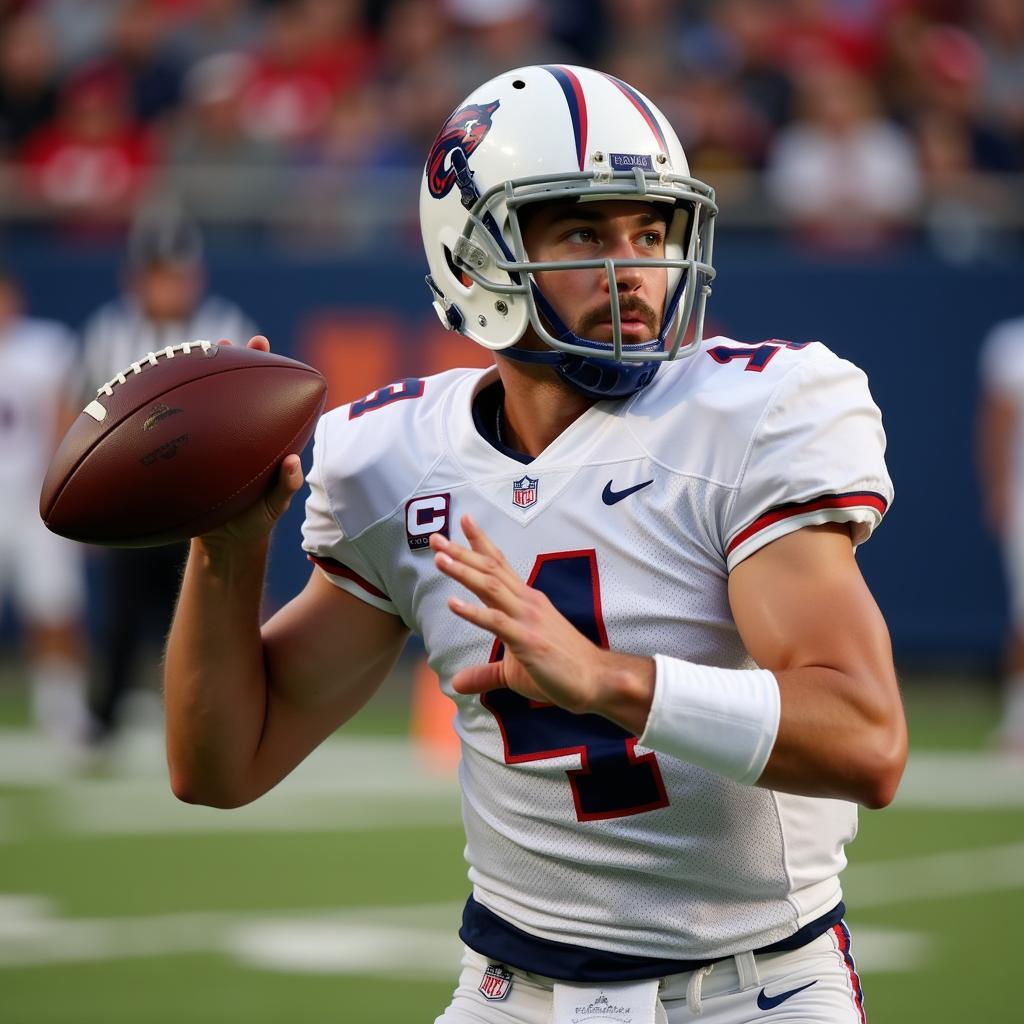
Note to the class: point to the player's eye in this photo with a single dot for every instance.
(582, 236)
(651, 240)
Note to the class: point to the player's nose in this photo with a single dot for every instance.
(619, 246)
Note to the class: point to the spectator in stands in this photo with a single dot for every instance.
(217, 170)
(947, 75)
(417, 71)
(80, 28)
(163, 303)
(817, 32)
(643, 27)
(326, 199)
(42, 574)
(845, 177)
(965, 214)
(28, 93)
(312, 54)
(138, 46)
(91, 164)
(209, 27)
(740, 38)
(1000, 26)
(502, 34)
(723, 132)
(1000, 454)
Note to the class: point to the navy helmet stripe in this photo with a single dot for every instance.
(641, 105)
(577, 103)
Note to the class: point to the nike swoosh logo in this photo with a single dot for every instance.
(609, 497)
(766, 1002)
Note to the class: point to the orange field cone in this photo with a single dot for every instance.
(433, 731)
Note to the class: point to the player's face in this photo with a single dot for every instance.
(623, 229)
(168, 291)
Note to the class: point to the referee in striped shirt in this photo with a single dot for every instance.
(163, 302)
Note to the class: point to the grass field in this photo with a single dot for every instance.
(337, 896)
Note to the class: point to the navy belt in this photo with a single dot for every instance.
(493, 937)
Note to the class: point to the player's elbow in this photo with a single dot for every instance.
(200, 793)
(880, 774)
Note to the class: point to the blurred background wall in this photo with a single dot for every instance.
(868, 156)
(910, 321)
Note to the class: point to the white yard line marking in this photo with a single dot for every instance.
(386, 765)
(935, 876)
(128, 809)
(419, 942)
(962, 780)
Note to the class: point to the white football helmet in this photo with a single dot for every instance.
(549, 132)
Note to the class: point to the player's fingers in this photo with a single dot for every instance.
(488, 586)
(493, 563)
(291, 473)
(259, 341)
(478, 540)
(494, 620)
(475, 560)
(289, 480)
(479, 678)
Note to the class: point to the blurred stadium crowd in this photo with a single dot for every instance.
(853, 127)
(850, 122)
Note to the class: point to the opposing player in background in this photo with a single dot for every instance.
(631, 560)
(1000, 453)
(163, 302)
(42, 573)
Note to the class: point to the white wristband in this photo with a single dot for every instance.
(722, 719)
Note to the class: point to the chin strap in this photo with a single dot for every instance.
(528, 355)
(591, 376)
(594, 376)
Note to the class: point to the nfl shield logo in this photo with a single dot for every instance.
(524, 492)
(497, 982)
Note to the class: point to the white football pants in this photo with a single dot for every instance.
(816, 984)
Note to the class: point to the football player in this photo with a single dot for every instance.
(629, 552)
(42, 574)
(1000, 450)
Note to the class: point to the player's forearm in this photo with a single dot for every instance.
(840, 735)
(215, 688)
(812, 730)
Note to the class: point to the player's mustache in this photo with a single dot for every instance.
(633, 307)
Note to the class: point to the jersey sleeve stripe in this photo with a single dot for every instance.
(851, 499)
(336, 568)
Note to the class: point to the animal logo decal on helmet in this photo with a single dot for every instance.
(465, 129)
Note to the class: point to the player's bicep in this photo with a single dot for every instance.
(326, 644)
(802, 602)
(326, 653)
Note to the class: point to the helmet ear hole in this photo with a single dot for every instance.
(457, 272)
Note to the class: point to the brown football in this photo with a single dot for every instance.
(179, 443)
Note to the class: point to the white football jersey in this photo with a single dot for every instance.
(37, 358)
(1001, 366)
(630, 521)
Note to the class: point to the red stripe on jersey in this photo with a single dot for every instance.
(336, 568)
(852, 499)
